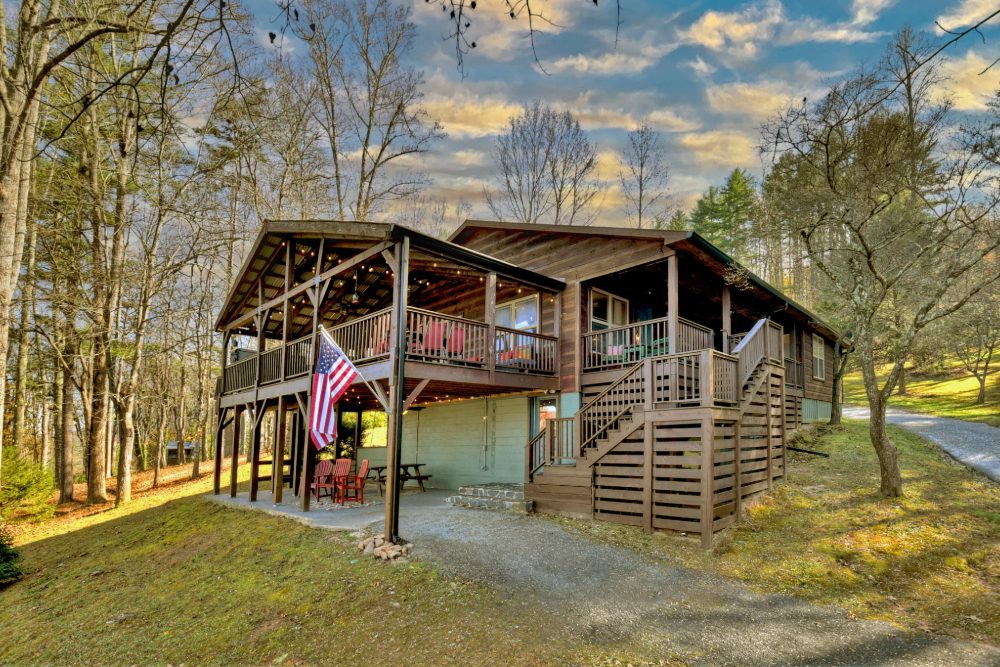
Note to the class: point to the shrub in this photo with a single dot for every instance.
(27, 490)
(10, 569)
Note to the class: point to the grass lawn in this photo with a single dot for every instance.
(174, 578)
(949, 393)
(927, 561)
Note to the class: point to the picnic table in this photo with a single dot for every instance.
(407, 472)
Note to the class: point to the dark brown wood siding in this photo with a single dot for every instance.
(820, 390)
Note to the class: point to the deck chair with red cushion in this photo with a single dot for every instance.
(354, 487)
(341, 471)
(456, 340)
(322, 479)
(433, 343)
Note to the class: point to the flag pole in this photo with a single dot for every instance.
(377, 394)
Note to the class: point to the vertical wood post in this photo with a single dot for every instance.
(397, 378)
(491, 324)
(278, 467)
(672, 304)
(648, 461)
(768, 396)
(705, 378)
(707, 479)
(220, 430)
(649, 390)
(727, 318)
(738, 467)
(258, 423)
(284, 311)
(557, 332)
(316, 294)
(233, 473)
(784, 432)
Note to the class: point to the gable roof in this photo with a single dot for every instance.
(669, 237)
(273, 232)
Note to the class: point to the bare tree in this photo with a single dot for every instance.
(366, 100)
(975, 337)
(643, 174)
(899, 201)
(545, 169)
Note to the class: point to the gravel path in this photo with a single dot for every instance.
(975, 445)
(611, 594)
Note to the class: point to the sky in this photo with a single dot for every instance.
(706, 75)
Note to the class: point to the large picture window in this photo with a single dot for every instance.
(520, 314)
(819, 357)
(607, 310)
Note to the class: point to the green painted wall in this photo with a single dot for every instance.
(466, 442)
(815, 411)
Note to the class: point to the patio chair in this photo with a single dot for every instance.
(456, 340)
(322, 479)
(354, 485)
(341, 471)
(433, 343)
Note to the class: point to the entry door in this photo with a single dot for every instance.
(543, 408)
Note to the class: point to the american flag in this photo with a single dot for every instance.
(334, 374)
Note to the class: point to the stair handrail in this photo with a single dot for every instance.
(752, 349)
(578, 424)
(530, 465)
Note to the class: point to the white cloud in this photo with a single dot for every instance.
(736, 33)
(967, 13)
(758, 101)
(968, 89)
(721, 148)
(628, 56)
(700, 66)
(740, 34)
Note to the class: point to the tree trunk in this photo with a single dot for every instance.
(901, 386)
(126, 444)
(66, 436)
(840, 368)
(161, 433)
(981, 396)
(21, 379)
(891, 484)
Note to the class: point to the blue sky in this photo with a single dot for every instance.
(705, 74)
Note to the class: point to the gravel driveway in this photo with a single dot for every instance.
(611, 594)
(975, 445)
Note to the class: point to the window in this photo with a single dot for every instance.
(520, 314)
(607, 310)
(819, 357)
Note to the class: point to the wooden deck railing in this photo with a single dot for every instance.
(240, 376)
(270, 366)
(764, 341)
(553, 444)
(434, 336)
(693, 336)
(366, 338)
(299, 357)
(523, 351)
(628, 344)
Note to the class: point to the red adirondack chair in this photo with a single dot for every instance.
(354, 489)
(456, 341)
(322, 479)
(341, 471)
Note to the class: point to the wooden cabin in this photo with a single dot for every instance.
(634, 376)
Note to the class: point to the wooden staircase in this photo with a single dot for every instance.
(677, 442)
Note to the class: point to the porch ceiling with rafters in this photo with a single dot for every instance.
(436, 266)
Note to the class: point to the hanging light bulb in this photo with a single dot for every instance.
(355, 297)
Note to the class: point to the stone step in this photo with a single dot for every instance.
(479, 502)
(498, 491)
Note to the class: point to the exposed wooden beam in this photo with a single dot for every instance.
(415, 393)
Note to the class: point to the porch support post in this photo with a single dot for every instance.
(491, 324)
(557, 331)
(727, 318)
(233, 473)
(672, 303)
(220, 429)
(397, 328)
(316, 295)
(284, 311)
(258, 421)
(707, 478)
(278, 458)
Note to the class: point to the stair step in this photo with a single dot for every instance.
(495, 491)
(479, 502)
